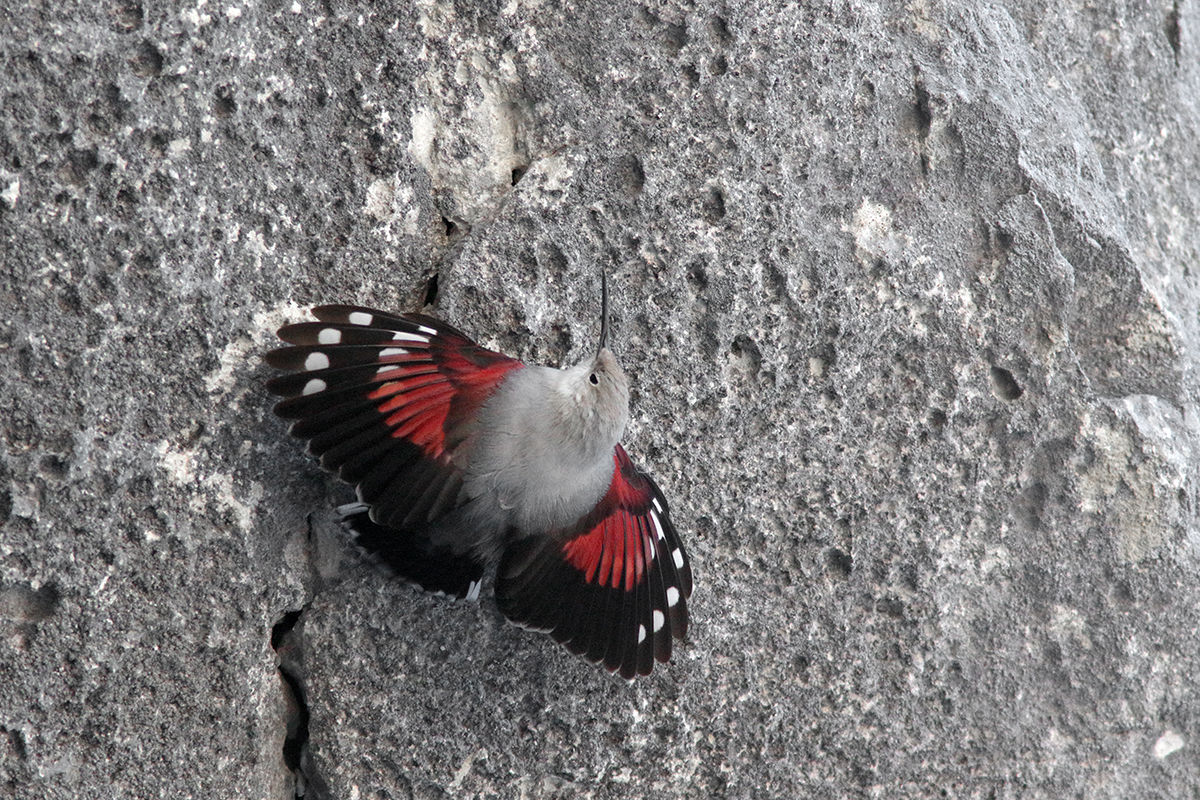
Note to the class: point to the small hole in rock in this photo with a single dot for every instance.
(54, 467)
(431, 290)
(518, 173)
(128, 16)
(675, 38)
(629, 170)
(720, 31)
(921, 110)
(714, 205)
(838, 564)
(148, 62)
(224, 106)
(16, 742)
(25, 604)
(1004, 386)
(890, 606)
(746, 355)
(283, 627)
(1174, 31)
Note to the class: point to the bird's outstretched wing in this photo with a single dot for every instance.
(386, 401)
(613, 587)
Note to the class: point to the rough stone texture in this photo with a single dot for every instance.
(908, 295)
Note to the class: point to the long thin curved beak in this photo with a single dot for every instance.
(603, 311)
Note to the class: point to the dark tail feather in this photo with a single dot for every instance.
(410, 556)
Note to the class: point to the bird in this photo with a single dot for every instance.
(463, 458)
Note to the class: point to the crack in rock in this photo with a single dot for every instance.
(286, 640)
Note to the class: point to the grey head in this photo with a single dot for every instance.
(597, 392)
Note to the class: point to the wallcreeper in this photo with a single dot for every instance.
(462, 456)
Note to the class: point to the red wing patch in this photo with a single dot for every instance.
(385, 401)
(613, 588)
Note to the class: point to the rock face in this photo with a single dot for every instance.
(907, 295)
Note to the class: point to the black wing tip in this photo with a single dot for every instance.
(628, 668)
(279, 357)
(341, 312)
(353, 315)
(350, 319)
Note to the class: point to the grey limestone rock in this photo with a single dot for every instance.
(907, 294)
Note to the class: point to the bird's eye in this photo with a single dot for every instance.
(595, 381)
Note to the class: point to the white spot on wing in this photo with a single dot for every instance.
(329, 336)
(657, 525)
(659, 619)
(314, 386)
(387, 368)
(678, 556)
(641, 633)
(672, 596)
(427, 329)
(392, 351)
(316, 361)
(360, 318)
(473, 591)
(657, 506)
(405, 336)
